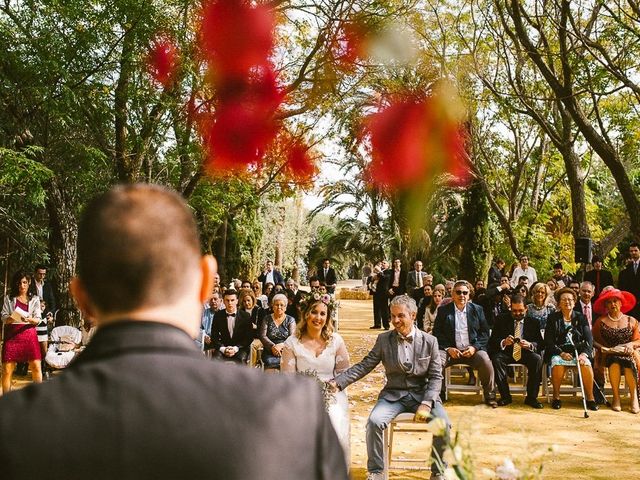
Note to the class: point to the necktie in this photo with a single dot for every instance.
(231, 323)
(418, 279)
(587, 313)
(635, 267)
(517, 349)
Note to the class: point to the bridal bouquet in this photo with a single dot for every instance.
(327, 396)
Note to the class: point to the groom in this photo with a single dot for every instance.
(414, 374)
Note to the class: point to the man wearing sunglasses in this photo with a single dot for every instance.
(462, 332)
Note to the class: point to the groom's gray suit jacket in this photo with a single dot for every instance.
(422, 381)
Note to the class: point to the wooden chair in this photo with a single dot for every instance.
(404, 423)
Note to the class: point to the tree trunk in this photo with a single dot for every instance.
(476, 248)
(63, 238)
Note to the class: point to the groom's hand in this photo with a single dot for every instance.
(423, 414)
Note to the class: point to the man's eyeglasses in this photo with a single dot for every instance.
(462, 292)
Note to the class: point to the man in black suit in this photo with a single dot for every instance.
(43, 289)
(141, 401)
(397, 279)
(517, 339)
(231, 331)
(327, 275)
(598, 277)
(629, 279)
(496, 272)
(416, 280)
(270, 275)
(379, 287)
(463, 333)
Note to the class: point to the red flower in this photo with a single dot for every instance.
(300, 165)
(162, 59)
(236, 36)
(349, 46)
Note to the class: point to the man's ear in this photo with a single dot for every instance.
(81, 297)
(208, 268)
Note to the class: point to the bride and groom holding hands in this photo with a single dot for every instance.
(412, 366)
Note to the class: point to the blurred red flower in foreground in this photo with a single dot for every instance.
(236, 35)
(350, 45)
(300, 165)
(413, 140)
(162, 60)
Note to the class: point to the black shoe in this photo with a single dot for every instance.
(592, 405)
(533, 403)
(491, 402)
(375, 327)
(556, 404)
(503, 402)
(386, 328)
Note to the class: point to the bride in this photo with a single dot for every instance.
(316, 348)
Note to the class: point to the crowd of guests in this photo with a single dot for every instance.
(518, 318)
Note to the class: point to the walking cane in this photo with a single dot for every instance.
(575, 349)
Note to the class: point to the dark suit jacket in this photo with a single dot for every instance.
(555, 335)
(444, 327)
(330, 279)
(242, 330)
(277, 279)
(411, 283)
(401, 289)
(47, 293)
(141, 402)
(422, 382)
(605, 279)
(629, 281)
(495, 274)
(504, 326)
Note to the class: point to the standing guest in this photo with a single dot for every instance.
(274, 330)
(270, 275)
(231, 331)
(540, 307)
(20, 315)
(327, 275)
(616, 338)
(559, 351)
(462, 334)
(415, 281)
(599, 277)
(141, 394)
(413, 376)
(397, 279)
(524, 269)
(561, 278)
(516, 338)
(629, 278)
(380, 305)
(496, 272)
(315, 347)
(44, 290)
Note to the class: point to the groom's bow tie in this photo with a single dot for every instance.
(408, 339)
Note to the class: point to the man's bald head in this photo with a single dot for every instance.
(138, 246)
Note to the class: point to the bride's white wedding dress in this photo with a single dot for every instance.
(333, 360)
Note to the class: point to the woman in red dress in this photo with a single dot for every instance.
(20, 315)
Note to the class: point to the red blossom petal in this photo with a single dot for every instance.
(349, 45)
(236, 36)
(456, 158)
(163, 59)
(300, 165)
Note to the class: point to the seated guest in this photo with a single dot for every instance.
(249, 304)
(292, 305)
(516, 338)
(616, 338)
(231, 332)
(462, 332)
(559, 352)
(204, 337)
(276, 327)
(575, 286)
(261, 299)
(585, 304)
(521, 290)
(267, 294)
(540, 308)
(430, 310)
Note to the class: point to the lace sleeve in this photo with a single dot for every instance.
(288, 360)
(342, 355)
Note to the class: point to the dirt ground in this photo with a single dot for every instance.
(582, 447)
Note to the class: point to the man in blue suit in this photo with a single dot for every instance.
(463, 333)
